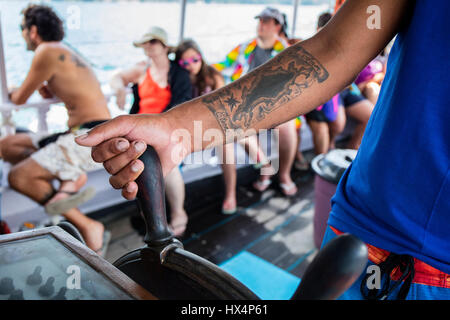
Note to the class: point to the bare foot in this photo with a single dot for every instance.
(93, 234)
(178, 223)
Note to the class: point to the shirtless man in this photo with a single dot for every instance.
(56, 71)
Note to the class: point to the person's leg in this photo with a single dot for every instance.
(91, 230)
(230, 179)
(371, 91)
(287, 150)
(337, 126)
(67, 162)
(17, 147)
(321, 136)
(32, 180)
(175, 193)
(1, 143)
(300, 161)
(255, 153)
(361, 112)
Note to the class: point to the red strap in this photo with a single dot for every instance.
(424, 273)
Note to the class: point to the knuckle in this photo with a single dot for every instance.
(95, 155)
(113, 181)
(109, 167)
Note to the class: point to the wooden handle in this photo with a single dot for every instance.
(335, 268)
(151, 199)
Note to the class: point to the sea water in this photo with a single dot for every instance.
(103, 32)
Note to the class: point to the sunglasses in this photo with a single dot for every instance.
(186, 62)
(266, 19)
(22, 27)
(154, 41)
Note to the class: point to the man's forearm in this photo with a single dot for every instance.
(16, 97)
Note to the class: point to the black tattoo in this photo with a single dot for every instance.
(265, 89)
(62, 57)
(232, 102)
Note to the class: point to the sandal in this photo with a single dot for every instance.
(227, 209)
(288, 189)
(259, 165)
(73, 200)
(262, 185)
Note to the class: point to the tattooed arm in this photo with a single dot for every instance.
(294, 82)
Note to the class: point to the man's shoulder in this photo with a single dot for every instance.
(49, 50)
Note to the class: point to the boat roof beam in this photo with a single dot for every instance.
(182, 19)
(3, 84)
(294, 19)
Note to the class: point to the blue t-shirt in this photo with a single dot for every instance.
(396, 193)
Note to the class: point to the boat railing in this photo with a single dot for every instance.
(42, 106)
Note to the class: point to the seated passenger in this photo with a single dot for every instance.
(39, 160)
(322, 124)
(205, 79)
(158, 84)
(246, 57)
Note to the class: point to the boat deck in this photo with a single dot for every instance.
(271, 235)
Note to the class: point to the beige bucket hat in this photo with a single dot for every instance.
(153, 33)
